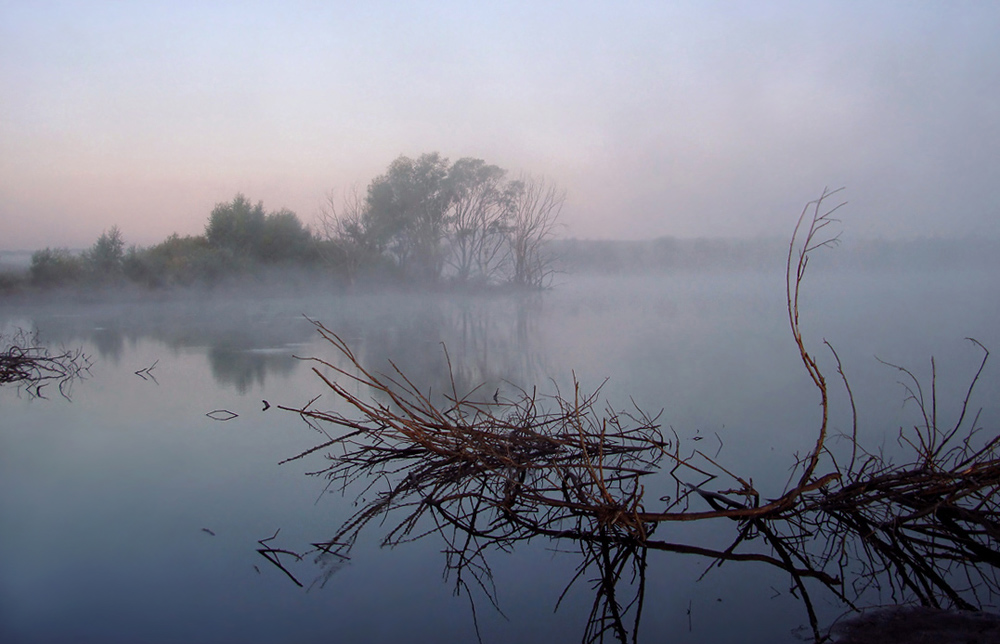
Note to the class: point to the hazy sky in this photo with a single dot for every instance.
(658, 118)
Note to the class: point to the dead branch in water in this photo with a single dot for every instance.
(26, 362)
(485, 473)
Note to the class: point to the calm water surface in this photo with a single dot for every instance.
(129, 515)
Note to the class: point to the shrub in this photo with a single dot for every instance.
(105, 257)
(55, 267)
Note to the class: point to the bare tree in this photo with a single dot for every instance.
(343, 231)
(534, 217)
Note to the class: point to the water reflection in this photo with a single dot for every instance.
(486, 474)
(489, 340)
(236, 360)
(452, 343)
(109, 341)
(681, 344)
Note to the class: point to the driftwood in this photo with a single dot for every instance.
(27, 363)
(485, 472)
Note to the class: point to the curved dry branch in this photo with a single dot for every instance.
(487, 473)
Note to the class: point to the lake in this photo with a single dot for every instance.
(129, 514)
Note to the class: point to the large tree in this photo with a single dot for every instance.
(405, 214)
(283, 238)
(236, 225)
(425, 216)
(246, 230)
(477, 219)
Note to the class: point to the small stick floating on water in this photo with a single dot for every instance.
(221, 414)
(147, 373)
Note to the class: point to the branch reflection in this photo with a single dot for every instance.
(487, 472)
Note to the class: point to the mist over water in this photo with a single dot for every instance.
(643, 162)
(104, 499)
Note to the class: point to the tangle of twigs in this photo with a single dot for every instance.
(26, 362)
(486, 473)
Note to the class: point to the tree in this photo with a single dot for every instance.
(236, 226)
(535, 215)
(425, 215)
(245, 230)
(480, 208)
(105, 257)
(405, 214)
(283, 237)
(347, 244)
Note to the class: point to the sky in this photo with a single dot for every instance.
(684, 119)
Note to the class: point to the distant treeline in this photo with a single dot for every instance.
(424, 221)
(429, 222)
(722, 254)
(240, 239)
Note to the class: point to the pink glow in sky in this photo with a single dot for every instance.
(658, 118)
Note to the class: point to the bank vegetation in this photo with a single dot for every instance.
(425, 221)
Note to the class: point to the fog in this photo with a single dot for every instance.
(672, 147)
(679, 119)
(166, 505)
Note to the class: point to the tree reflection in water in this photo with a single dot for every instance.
(485, 473)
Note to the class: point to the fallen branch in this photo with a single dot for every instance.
(486, 472)
(26, 362)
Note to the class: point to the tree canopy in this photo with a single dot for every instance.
(406, 211)
(430, 219)
(246, 229)
(423, 220)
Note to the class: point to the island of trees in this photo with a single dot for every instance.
(429, 222)
(425, 220)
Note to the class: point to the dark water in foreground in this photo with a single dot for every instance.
(129, 515)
